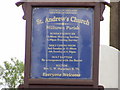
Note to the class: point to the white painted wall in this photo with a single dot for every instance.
(108, 71)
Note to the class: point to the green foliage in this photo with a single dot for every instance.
(12, 73)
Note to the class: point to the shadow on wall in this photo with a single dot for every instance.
(108, 67)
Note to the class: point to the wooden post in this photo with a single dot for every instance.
(115, 25)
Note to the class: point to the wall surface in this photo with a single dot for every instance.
(108, 76)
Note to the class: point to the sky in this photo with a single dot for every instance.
(12, 30)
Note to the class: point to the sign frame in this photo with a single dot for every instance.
(98, 10)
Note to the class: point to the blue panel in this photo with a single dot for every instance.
(62, 43)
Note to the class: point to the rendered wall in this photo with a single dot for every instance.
(108, 76)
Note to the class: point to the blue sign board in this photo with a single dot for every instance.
(62, 43)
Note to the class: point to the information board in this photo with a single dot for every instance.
(62, 43)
